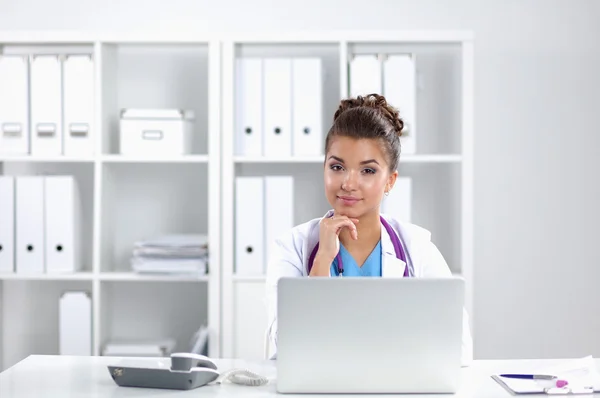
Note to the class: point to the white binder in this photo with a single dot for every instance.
(62, 224)
(29, 222)
(279, 208)
(365, 75)
(277, 109)
(7, 224)
(398, 203)
(46, 106)
(78, 83)
(75, 324)
(307, 105)
(249, 107)
(14, 105)
(400, 90)
(249, 226)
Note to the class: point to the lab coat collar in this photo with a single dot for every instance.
(391, 266)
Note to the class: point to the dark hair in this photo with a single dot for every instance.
(369, 117)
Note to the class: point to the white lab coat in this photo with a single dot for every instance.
(290, 254)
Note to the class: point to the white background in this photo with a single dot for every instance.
(537, 98)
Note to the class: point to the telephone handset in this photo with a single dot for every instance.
(187, 371)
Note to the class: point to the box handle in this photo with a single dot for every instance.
(79, 129)
(11, 129)
(46, 129)
(152, 135)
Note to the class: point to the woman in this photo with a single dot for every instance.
(362, 150)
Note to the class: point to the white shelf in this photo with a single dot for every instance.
(134, 277)
(409, 158)
(165, 159)
(45, 159)
(79, 276)
(262, 159)
(441, 169)
(242, 278)
(132, 197)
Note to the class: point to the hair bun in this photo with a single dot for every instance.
(376, 102)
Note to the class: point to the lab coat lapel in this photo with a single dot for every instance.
(391, 266)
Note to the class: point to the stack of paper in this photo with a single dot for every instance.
(171, 254)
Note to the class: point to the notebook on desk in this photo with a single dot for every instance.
(581, 375)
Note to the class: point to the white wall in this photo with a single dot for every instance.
(536, 93)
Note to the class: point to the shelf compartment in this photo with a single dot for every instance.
(154, 76)
(132, 311)
(439, 91)
(309, 198)
(142, 201)
(30, 317)
(84, 177)
(328, 53)
(436, 206)
(250, 320)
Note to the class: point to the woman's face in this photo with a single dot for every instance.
(356, 176)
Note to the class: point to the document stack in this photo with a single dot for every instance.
(171, 254)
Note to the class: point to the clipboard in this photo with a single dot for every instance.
(524, 387)
(581, 374)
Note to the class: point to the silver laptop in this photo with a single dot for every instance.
(369, 335)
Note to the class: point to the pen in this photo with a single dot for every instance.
(559, 383)
(528, 376)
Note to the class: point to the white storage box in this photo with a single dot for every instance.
(156, 132)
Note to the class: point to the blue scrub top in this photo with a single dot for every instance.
(371, 267)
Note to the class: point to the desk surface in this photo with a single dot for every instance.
(54, 376)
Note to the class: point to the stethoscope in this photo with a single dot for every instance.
(398, 248)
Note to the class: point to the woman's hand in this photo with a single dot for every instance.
(329, 242)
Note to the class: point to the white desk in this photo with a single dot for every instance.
(65, 376)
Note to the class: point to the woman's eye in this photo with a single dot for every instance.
(370, 171)
(336, 167)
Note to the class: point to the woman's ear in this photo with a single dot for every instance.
(391, 181)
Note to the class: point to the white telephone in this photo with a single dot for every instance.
(187, 371)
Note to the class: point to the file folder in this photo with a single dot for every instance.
(307, 105)
(75, 323)
(249, 226)
(365, 75)
(62, 215)
(7, 224)
(78, 129)
(29, 204)
(277, 109)
(46, 106)
(249, 107)
(398, 203)
(14, 105)
(400, 90)
(279, 208)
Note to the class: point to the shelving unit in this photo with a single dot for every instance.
(441, 168)
(127, 198)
